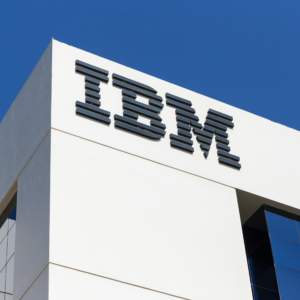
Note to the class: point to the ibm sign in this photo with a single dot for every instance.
(216, 123)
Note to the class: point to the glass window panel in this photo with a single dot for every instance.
(3, 250)
(285, 253)
(258, 220)
(257, 270)
(265, 279)
(2, 280)
(13, 214)
(268, 280)
(264, 294)
(9, 283)
(289, 283)
(282, 226)
(3, 230)
(260, 261)
(253, 237)
(12, 218)
(11, 238)
(262, 252)
(298, 227)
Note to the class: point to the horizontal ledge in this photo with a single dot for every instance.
(215, 125)
(91, 67)
(186, 115)
(229, 163)
(179, 99)
(202, 133)
(184, 127)
(181, 139)
(142, 112)
(92, 108)
(92, 80)
(221, 133)
(140, 125)
(223, 147)
(137, 131)
(204, 147)
(183, 120)
(196, 124)
(204, 140)
(227, 155)
(156, 104)
(219, 114)
(92, 101)
(91, 74)
(180, 106)
(158, 124)
(92, 87)
(141, 105)
(220, 120)
(209, 129)
(222, 140)
(130, 114)
(215, 131)
(92, 94)
(184, 133)
(93, 116)
(129, 94)
(136, 90)
(134, 83)
(182, 146)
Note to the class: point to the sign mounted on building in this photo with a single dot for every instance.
(215, 125)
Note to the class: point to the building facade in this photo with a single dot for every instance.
(118, 185)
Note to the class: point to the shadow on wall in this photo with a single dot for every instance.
(250, 203)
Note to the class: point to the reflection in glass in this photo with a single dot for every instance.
(260, 260)
(288, 281)
(264, 294)
(286, 253)
(13, 214)
(261, 266)
(7, 242)
(282, 226)
(253, 237)
(273, 251)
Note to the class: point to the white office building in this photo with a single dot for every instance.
(116, 185)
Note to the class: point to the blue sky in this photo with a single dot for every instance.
(244, 52)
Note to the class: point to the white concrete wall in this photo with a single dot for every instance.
(125, 215)
(39, 290)
(22, 132)
(26, 122)
(32, 235)
(268, 151)
(122, 217)
(141, 213)
(7, 258)
(82, 285)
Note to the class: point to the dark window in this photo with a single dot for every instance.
(273, 251)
